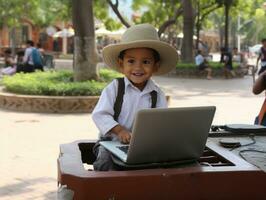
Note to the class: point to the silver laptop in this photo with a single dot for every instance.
(165, 135)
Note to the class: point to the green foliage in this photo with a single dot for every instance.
(252, 19)
(101, 12)
(111, 24)
(107, 75)
(41, 13)
(11, 12)
(51, 11)
(56, 83)
(214, 65)
(155, 12)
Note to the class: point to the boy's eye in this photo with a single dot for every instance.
(130, 61)
(146, 62)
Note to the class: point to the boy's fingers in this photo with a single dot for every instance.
(121, 139)
(124, 140)
(129, 137)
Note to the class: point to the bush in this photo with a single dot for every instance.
(56, 83)
(214, 65)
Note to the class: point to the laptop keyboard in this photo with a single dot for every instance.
(123, 148)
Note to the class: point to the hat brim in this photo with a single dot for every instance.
(168, 55)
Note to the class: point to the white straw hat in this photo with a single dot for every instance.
(142, 36)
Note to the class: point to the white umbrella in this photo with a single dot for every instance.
(102, 31)
(117, 34)
(112, 34)
(64, 33)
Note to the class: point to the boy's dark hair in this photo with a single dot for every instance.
(7, 51)
(235, 48)
(263, 40)
(156, 55)
(30, 42)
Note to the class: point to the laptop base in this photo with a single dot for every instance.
(171, 164)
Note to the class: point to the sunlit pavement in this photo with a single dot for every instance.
(29, 143)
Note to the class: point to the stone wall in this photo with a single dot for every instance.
(48, 104)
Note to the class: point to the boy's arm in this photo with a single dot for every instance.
(103, 113)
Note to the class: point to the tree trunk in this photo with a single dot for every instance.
(85, 53)
(226, 25)
(188, 24)
(233, 34)
(13, 41)
(221, 34)
(198, 25)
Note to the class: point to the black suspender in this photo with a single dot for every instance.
(153, 99)
(120, 96)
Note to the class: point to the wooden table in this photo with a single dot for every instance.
(219, 174)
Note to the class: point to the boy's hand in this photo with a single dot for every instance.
(123, 134)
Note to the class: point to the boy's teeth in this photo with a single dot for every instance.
(137, 74)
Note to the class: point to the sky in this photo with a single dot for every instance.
(125, 8)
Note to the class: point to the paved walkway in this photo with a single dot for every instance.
(29, 143)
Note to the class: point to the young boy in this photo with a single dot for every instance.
(139, 55)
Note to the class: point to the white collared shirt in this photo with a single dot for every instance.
(134, 100)
(199, 59)
(28, 56)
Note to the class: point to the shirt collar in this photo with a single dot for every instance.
(150, 86)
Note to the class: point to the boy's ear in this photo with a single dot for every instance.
(120, 64)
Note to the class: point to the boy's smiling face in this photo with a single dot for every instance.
(138, 65)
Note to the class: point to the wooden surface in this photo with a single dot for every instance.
(204, 181)
(256, 158)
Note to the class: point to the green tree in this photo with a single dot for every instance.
(252, 24)
(40, 13)
(204, 8)
(227, 5)
(12, 13)
(252, 20)
(161, 14)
